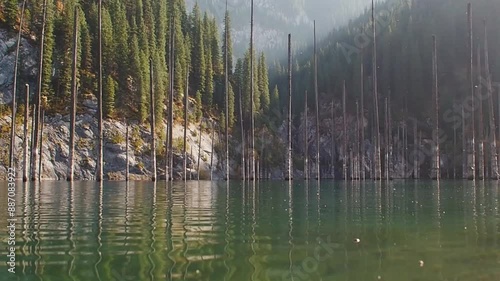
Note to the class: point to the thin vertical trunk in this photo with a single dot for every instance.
(252, 108)
(12, 150)
(318, 173)
(481, 172)
(464, 147)
(419, 145)
(455, 149)
(289, 115)
(171, 105)
(212, 151)
(25, 134)
(127, 169)
(415, 151)
(41, 145)
(242, 141)
(389, 162)
(436, 173)
(378, 168)
(186, 105)
(152, 119)
(71, 159)
(493, 146)
(306, 141)
(386, 138)
(100, 163)
(344, 121)
(226, 87)
(38, 98)
(362, 112)
(471, 89)
(32, 144)
(199, 150)
(357, 165)
(332, 168)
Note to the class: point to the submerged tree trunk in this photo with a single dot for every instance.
(226, 87)
(100, 163)
(318, 173)
(243, 163)
(386, 139)
(357, 164)
(168, 145)
(464, 147)
(436, 173)
(12, 150)
(493, 146)
(289, 175)
(378, 168)
(152, 120)
(127, 169)
(344, 121)
(306, 141)
(41, 145)
(415, 151)
(71, 168)
(481, 162)
(186, 105)
(471, 88)
(25, 134)
(199, 149)
(332, 168)
(252, 102)
(38, 98)
(212, 150)
(32, 144)
(362, 112)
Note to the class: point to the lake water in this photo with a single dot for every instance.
(267, 231)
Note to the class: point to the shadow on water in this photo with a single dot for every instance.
(328, 230)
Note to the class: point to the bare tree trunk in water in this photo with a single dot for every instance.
(100, 162)
(306, 141)
(152, 120)
(344, 121)
(318, 174)
(38, 98)
(471, 88)
(71, 168)
(25, 134)
(12, 150)
(243, 163)
(289, 175)
(493, 146)
(41, 146)
(481, 172)
(252, 102)
(436, 173)
(378, 168)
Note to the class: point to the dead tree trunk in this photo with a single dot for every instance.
(243, 163)
(386, 139)
(170, 161)
(171, 69)
(226, 87)
(252, 102)
(199, 149)
(471, 88)
(344, 133)
(306, 141)
(71, 168)
(318, 173)
(415, 151)
(25, 134)
(41, 145)
(362, 112)
(152, 119)
(493, 146)
(464, 147)
(378, 168)
(357, 174)
(289, 175)
(12, 150)
(38, 98)
(100, 163)
(127, 169)
(32, 144)
(212, 150)
(480, 133)
(186, 105)
(332, 168)
(436, 173)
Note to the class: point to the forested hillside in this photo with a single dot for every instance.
(404, 55)
(133, 31)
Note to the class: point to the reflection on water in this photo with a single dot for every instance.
(262, 231)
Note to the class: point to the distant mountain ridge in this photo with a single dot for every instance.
(274, 19)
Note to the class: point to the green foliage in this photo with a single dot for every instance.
(109, 93)
(116, 137)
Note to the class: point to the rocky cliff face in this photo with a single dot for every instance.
(27, 64)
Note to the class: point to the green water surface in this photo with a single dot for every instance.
(264, 231)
